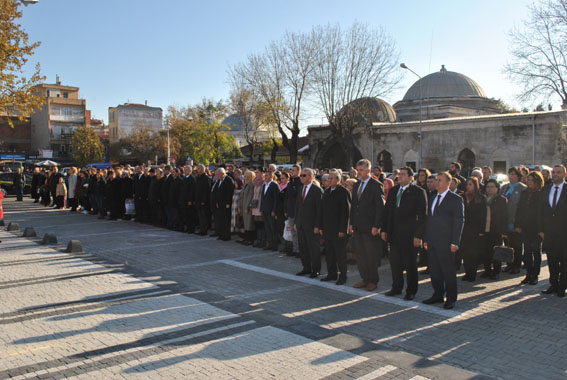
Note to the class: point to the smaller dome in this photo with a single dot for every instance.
(444, 84)
(370, 110)
(233, 122)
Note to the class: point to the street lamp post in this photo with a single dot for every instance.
(419, 136)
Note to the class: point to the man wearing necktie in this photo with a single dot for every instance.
(307, 224)
(404, 220)
(441, 239)
(553, 219)
(365, 221)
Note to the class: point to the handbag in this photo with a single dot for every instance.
(130, 207)
(503, 253)
(254, 203)
(287, 234)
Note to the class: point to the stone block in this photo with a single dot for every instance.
(13, 227)
(49, 239)
(29, 232)
(74, 246)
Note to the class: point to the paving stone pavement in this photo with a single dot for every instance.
(151, 303)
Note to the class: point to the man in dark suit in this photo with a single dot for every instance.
(268, 205)
(221, 198)
(139, 193)
(446, 214)
(202, 199)
(164, 194)
(307, 219)
(553, 219)
(334, 223)
(455, 171)
(188, 213)
(365, 221)
(173, 221)
(19, 182)
(404, 221)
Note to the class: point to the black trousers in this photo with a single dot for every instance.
(443, 272)
(368, 251)
(271, 230)
(470, 250)
(335, 254)
(222, 222)
(532, 255)
(491, 266)
(309, 250)
(516, 242)
(190, 218)
(403, 256)
(204, 214)
(557, 262)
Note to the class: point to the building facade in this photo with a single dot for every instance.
(53, 126)
(457, 123)
(123, 119)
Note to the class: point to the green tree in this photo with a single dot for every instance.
(87, 147)
(201, 134)
(17, 93)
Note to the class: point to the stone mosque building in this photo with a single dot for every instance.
(458, 122)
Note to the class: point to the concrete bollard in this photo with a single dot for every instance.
(29, 232)
(74, 246)
(13, 227)
(49, 239)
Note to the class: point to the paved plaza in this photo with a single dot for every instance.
(148, 303)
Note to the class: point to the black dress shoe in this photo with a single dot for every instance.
(341, 281)
(392, 292)
(409, 297)
(525, 280)
(550, 290)
(303, 273)
(561, 293)
(449, 305)
(327, 278)
(533, 280)
(431, 301)
(314, 275)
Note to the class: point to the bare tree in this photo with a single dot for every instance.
(539, 61)
(349, 65)
(245, 105)
(280, 77)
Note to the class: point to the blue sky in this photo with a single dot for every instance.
(175, 52)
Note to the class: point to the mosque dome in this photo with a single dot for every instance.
(370, 110)
(444, 84)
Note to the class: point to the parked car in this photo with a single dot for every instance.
(7, 183)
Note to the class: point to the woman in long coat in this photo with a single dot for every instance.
(246, 196)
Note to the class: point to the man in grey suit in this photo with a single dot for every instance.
(365, 221)
(445, 220)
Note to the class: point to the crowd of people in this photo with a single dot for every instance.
(443, 222)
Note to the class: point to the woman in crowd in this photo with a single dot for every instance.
(422, 176)
(473, 229)
(72, 190)
(388, 184)
(512, 192)
(244, 208)
(527, 226)
(238, 184)
(60, 193)
(283, 181)
(496, 226)
(255, 207)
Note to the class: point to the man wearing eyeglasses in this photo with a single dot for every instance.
(307, 220)
(366, 219)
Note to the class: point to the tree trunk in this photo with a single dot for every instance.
(252, 151)
(292, 149)
(275, 148)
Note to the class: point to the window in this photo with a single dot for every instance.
(500, 167)
(65, 95)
